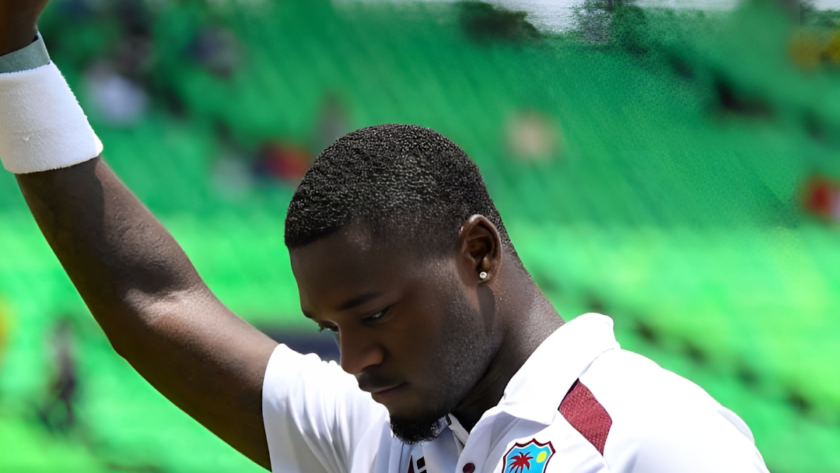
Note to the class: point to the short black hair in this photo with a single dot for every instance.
(399, 181)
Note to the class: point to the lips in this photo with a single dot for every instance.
(387, 394)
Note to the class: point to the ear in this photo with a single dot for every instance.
(481, 248)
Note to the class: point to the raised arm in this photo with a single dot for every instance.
(151, 303)
(143, 290)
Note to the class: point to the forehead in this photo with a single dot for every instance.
(346, 264)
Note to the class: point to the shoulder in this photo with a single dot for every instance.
(288, 370)
(633, 387)
(318, 388)
(650, 419)
(315, 416)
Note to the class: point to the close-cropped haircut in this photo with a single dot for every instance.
(399, 181)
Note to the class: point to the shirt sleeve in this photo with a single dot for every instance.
(712, 444)
(315, 415)
(664, 423)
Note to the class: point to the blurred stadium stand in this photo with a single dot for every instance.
(654, 165)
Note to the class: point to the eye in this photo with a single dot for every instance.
(331, 328)
(376, 316)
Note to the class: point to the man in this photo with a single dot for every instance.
(451, 357)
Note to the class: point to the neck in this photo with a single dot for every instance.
(528, 318)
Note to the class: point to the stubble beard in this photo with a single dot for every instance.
(465, 354)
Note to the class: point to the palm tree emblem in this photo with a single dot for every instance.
(529, 457)
(521, 462)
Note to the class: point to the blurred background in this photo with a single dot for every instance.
(675, 165)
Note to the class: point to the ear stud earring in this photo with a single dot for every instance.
(482, 275)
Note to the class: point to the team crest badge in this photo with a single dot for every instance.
(530, 457)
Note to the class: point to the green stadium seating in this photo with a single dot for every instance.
(678, 216)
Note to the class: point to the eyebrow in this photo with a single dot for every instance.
(359, 300)
(354, 302)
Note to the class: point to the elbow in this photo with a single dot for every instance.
(143, 323)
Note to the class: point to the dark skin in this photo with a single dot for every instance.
(156, 311)
(19, 23)
(161, 317)
(388, 338)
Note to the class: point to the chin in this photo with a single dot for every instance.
(408, 405)
(412, 431)
(415, 419)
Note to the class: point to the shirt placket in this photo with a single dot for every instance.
(474, 457)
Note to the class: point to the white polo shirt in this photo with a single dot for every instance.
(579, 404)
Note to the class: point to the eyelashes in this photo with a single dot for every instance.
(321, 328)
(369, 319)
(377, 316)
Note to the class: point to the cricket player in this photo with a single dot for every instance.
(452, 359)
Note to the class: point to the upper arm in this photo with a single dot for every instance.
(208, 362)
(147, 297)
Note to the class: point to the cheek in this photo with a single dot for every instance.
(435, 306)
(414, 333)
(418, 333)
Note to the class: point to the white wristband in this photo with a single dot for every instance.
(42, 126)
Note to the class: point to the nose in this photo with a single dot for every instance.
(358, 351)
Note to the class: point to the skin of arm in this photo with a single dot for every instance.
(18, 23)
(153, 306)
(142, 289)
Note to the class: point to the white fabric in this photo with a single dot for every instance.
(316, 417)
(42, 126)
(317, 420)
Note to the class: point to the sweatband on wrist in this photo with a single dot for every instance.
(42, 126)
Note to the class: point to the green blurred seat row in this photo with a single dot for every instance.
(677, 217)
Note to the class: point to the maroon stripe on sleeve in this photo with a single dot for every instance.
(587, 415)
